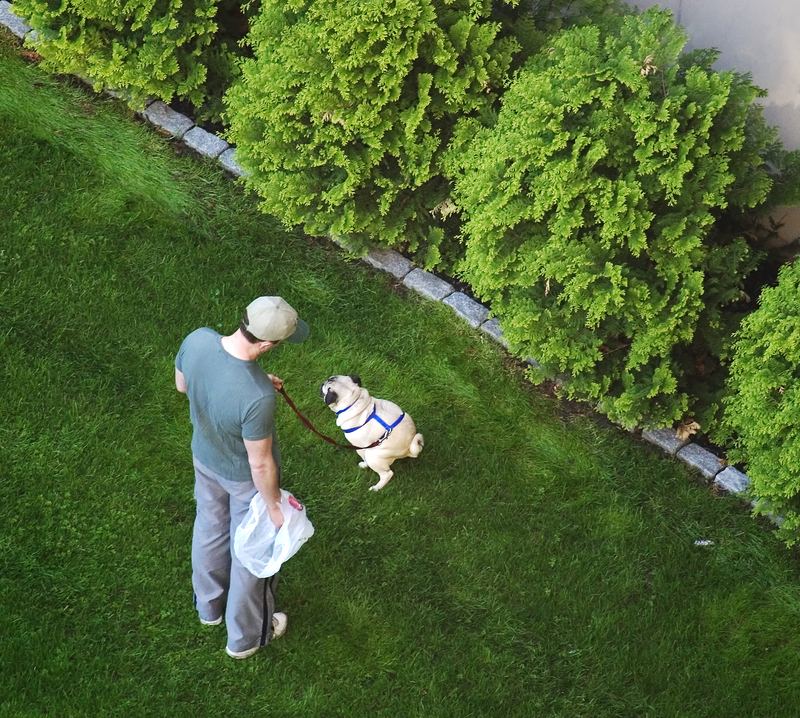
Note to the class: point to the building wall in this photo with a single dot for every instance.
(757, 36)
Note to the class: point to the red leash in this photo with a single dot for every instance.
(282, 391)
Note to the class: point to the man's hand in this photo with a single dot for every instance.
(276, 382)
(275, 515)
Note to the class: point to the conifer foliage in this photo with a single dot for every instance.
(762, 412)
(342, 117)
(161, 48)
(590, 209)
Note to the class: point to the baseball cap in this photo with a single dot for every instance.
(271, 319)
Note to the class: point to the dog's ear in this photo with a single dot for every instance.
(331, 397)
(356, 380)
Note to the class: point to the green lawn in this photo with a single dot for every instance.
(525, 565)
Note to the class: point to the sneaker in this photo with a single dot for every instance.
(211, 623)
(241, 654)
(279, 623)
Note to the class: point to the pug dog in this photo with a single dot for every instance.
(380, 427)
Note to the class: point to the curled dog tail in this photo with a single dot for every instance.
(417, 443)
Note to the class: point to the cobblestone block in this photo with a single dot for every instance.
(475, 313)
(11, 21)
(704, 461)
(427, 284)
(387, 260)
(121, 93)
(205, 143)
(228, 160)
(492, 328)
(163, 116)
(665, 439)
(732, 480)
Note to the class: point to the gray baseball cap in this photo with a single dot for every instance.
(271, 319)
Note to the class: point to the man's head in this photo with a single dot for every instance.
(271, 319)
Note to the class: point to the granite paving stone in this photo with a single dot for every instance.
(701, 459)
(11, 21)
(474, 312)
(427, 284)
(163, 116)
(732, 480)
(665, 439)
(228, 160)
(492, 328)
(205, 143)
(387, 260)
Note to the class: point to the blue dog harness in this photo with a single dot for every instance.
(374, 415)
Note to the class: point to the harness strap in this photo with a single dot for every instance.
(356, 428)
(342, 411)
(374, 415)
(384, 424)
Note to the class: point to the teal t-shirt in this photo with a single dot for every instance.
(229, 400)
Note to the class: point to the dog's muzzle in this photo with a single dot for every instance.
(329, 396)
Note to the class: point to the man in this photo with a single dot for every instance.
(235, 452)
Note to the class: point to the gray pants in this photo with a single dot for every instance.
(221, 584)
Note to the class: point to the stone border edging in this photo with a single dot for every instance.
(161, 115)
(11, 21)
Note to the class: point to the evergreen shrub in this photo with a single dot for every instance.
(762, 408)
(591, 210)
(161, 48)
(342, 117)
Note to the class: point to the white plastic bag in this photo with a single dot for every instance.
(260, 546)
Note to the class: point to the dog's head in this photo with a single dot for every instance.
(340, 389)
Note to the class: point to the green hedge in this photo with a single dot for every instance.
(762, 417)
(342, 117)
(161, 48)
(590, 211)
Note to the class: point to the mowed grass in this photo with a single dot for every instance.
(524, 565)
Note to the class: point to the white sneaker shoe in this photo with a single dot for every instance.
(211, 623)
(241, 654)
(279, 623)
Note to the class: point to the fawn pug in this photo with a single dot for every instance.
(380, 427)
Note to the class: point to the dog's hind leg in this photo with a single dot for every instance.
(381, 467)
(385, 476)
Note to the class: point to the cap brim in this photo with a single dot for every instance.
(299, 334)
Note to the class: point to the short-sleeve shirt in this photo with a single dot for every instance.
(230, 400)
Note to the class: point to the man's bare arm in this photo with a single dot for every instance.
(180, 382)
(265, 475)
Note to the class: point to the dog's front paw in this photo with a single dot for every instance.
(363, 465)
(376, 487)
